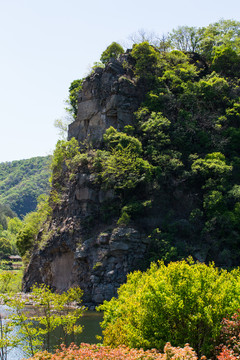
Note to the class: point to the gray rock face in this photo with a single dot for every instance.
(82, 250)
(109, 97)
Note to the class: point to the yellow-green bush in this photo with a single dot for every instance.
(182, 302)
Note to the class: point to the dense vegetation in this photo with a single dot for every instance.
(179, 160)
(5, 213)
(181, 157)
(182, 302)
(96, 352)
(21, 184)
(22, 181)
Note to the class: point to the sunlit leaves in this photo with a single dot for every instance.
(124, 169)
(112, 51)
(177, 303)
(146, 59)
(213, 165)
(52, 310)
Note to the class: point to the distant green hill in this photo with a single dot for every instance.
(22, 181)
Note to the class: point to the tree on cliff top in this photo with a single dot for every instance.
(112, 51)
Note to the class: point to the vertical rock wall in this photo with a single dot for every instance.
(91, 254)
(109, 97)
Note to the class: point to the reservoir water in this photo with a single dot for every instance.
(90, 321)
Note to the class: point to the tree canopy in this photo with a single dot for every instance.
(182, 302)
(22, 181)
(112, 51)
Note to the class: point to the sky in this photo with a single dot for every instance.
(46, 44)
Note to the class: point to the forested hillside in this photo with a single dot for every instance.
(22, 181)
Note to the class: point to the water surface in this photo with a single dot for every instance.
(90, 321)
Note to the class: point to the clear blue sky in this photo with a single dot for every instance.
(45, 44)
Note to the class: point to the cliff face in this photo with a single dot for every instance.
(80, 248)
(109, 98)
(171, 179)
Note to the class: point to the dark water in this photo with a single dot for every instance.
(90, 321)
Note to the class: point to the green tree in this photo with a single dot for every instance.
(71, 108)
(222, 32)
(155, 135)
(74, 89)
(10, 281)
(5, 248)
(5, 213)
(52, 310)
(124, 169)
(65, 150)
(31, 225)
(182, 302)
(118, 140)
(186, 38)
(7, 342)
(112, 51)
(213, 167)
(21, 182)
(14, 226)
(146, 57)
(226, 61)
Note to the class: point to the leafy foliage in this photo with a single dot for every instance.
(10, 281)
(112, 51)
(22, 181)
(177, 303)
(5, 248)
(31, 225)
(94, 352)
(74, 89)
(9, 237)
(125, 169)
(226, 62)
(186, 38)
(119, 140)
(230, 336)
(146, 60)
(53, 310)
(5, 213)
(65, 150)
(213, 165)
(223, 32)
(175, 170)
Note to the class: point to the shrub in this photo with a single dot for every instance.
(65, 150)
(124, 169)
(230, 338)
(95, 352)
(213, 165)
(118, 140)
(179, 302)
(74, 89)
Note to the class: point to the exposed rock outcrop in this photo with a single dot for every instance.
(109, 97)
(80, 248)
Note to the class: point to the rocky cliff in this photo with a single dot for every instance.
(153, 174)
(158, 181)
(109, 97)
(80, 247)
